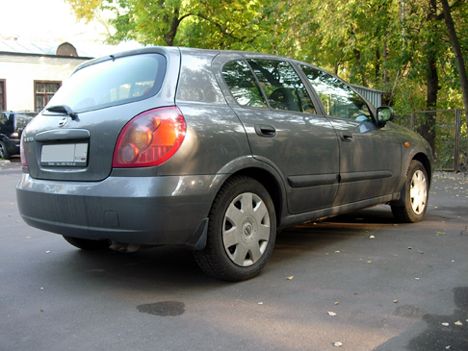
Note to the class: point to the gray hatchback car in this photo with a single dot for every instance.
(212, 150)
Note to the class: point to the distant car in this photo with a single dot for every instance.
(211, 150)
(11, 127)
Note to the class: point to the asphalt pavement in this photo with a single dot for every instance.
(356, 282)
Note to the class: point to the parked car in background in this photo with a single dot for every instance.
(11, 127)
(212, 150)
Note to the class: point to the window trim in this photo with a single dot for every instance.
(257, 83)
(4, 95)
(35, 82)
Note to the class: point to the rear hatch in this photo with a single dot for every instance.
(74, 137)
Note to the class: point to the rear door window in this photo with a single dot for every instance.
(241, 82)
(112, 82)
(282, 85)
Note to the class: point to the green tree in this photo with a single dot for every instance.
(399, 46)
(172, 22)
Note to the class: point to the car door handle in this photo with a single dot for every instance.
(265, 130)
(346, 137)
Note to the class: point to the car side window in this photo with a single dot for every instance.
(241, 82)
(337, 98)
(282, 85)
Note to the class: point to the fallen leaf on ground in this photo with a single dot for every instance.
(337, 344)
(372, 237)
(445, 324)
(291, 277)
(331, 314)
(48, 252)
(396, 301)
(260, 303)
(458, 323)
(337, 303)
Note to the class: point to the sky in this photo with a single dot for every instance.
(51, 21)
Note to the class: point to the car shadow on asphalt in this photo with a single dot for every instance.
(316, 235)
(442, 332)
(148, 268)
(445, 332)
(145, 270)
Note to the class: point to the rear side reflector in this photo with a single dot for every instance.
(150, 138)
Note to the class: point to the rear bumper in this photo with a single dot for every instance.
(169, 210)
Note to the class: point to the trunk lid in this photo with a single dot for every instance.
(59, 147)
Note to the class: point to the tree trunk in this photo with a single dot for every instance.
(458, 54)
(432, 81)
(357, 57)
(169, 37)
(377, 64)
(427, 128)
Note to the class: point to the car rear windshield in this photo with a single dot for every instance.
(112, 82)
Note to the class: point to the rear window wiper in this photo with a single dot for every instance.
(63, 109)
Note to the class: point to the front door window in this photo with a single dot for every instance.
(338, 99)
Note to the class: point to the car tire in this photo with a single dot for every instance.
(87, 244)
(413, 201)
(241, 231)
(4, 151)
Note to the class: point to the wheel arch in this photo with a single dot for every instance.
(421, 157)
(262, 171)
(271, 184)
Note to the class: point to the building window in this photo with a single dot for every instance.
(2, 95)
(43, 92)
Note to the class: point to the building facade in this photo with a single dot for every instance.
(31, 74)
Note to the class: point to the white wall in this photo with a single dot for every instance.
(20, 72)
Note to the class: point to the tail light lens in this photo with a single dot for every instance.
(24, 161)
(150, 138)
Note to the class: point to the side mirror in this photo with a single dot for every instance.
(384, 114)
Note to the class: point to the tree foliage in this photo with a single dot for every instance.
(392, 45)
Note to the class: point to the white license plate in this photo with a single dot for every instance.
(65, 155)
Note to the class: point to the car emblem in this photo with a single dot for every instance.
(63, 121)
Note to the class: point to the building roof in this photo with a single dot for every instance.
(18, 46)
(85, 50)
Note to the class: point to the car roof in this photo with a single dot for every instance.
(188, 51)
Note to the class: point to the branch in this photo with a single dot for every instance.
(223, 29)
(455, 4)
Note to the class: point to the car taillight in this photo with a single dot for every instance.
(24, 161)
(150, 138)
